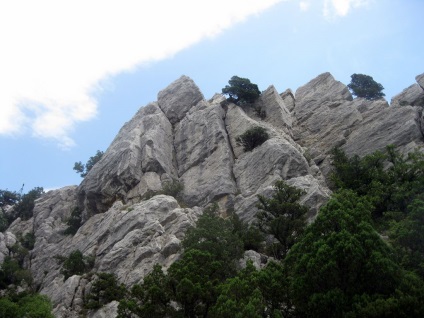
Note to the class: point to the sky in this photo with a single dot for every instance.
(73, 72)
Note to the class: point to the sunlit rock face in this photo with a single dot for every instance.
(129, 224)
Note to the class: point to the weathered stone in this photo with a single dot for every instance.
(184, 138)
(107, 311)
(413, 96)
(322, 90)
(315, 195)
(276, 111)
(143, 145)
(274, 160)
(252, 256)
(383, 126)
(7, 240)
(420, 80)
(288, 99)
(125, 240)
(177, 99)
(204, 156)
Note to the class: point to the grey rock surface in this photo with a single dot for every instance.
(125, 240)
(275, 159)
(177, 99)
(185, 138)
(412, 96)
(204, 155)
(277, 113)
(420, 80)
(143, 145)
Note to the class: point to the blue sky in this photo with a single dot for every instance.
(73, 74)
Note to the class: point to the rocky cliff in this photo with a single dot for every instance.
(183, 137)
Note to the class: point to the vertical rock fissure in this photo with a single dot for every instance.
(230, 146)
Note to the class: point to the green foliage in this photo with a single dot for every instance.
(261, 113)
(75, 264)
(250, 235)
(364, 86)
(282, 217)
(8, 198)
(407, 236)
(391, 189)
(25, 206)
(241, 91)
(25, 305)
(28, 240)
(82, 169)
(105, 289)
(254, 293)
(216, 236)
(150, 299)
(252, 138)
(172, 188)
(74, 222)
(341, 264)
(11, 272)
(240, 296)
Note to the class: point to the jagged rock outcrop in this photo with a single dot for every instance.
(327, 117)
(203, 153)
(420, 80)
(128, 226)
(139, 158)
(177, 99)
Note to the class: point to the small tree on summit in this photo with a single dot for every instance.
(82, 169)
(364, 86)
(241, 91)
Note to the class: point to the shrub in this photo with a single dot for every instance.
(28, 240)
(104, 290)
(172, 188)
(252, 138)
(241, 91)
(282, 216)
(74, 222)
(364, 86)
(75, 264)
(25, 206)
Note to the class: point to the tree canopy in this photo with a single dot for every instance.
(82, 169)
(241, 91)
(364, 86)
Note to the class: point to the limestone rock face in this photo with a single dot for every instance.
(125, 240)
(420, 80)
(413, 96)
(277, 113)
(204, 155)
(274, 160)
(323, 92)
(177, 99)
(139, 157)
(128, 226)
(327, 117)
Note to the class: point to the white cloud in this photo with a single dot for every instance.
(340, 8)
(304, 5)
(54, 53)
